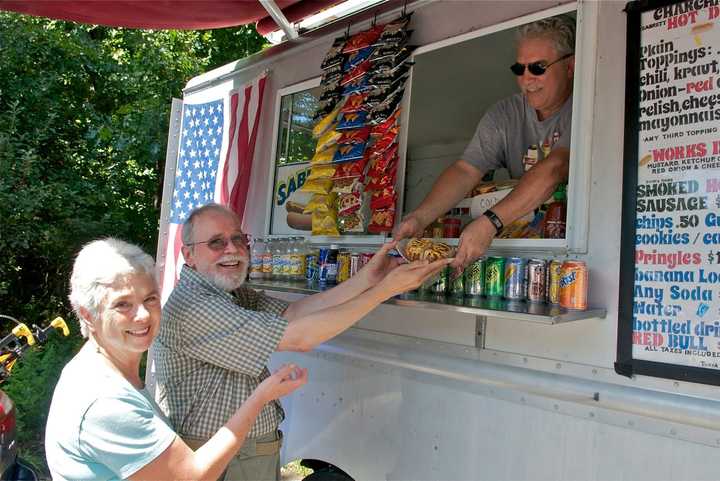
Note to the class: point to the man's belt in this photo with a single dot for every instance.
(262, 448)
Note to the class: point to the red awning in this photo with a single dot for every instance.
(167, 14)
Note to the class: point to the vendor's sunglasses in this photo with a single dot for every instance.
(218, 244)
(535, 68)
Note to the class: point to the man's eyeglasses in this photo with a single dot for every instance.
(218, 244)
(536, 68)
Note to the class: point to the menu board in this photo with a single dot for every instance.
(670, 322)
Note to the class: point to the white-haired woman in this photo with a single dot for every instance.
(103, 424)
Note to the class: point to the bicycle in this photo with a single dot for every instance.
(12, 348)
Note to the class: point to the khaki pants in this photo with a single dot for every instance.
(257, 460)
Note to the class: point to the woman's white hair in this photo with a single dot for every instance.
(97, 266)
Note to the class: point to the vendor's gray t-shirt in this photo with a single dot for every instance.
(510, 135)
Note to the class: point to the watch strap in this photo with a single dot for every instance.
(492, 216)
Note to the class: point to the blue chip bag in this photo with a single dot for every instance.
(352, 120)
(346, 153)
(360, 84)
(356, 58)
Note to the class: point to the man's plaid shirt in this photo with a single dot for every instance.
(212, 351)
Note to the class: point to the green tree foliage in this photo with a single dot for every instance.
(83, 129)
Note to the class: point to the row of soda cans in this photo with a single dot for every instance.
(563, 283)
(333, 266)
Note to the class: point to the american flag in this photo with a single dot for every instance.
(217, 143)
(198, 158)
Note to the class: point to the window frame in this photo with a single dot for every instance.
(576, 240)
(289, 90)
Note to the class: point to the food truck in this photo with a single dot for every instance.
(458, 389)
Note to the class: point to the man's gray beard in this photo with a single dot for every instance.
(228, 284)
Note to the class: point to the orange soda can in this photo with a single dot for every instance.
(573, 285)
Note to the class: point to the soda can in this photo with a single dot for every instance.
(495, 276)
(355, 265)
(456, 282)
(365, 258)
(515, 278)
(343, 267)
(515, 305)
(537, 308)
(311, 271)
(573, 285)
(327, 265)
(437, 284)
(496, 303)
(475, 278)
(552, 284)
(536, 278)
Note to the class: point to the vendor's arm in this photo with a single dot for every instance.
(535, 187)
(371, 274)
(178, 461)
(305, 332)
(448, 190)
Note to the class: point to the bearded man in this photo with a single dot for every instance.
(216, 335)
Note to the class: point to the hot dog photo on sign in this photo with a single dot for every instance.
(289, 201)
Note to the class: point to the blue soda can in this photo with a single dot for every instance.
(327, 265)
(311, 271)
(515, 278)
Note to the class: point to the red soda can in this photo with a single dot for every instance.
(365, 258)
(573, 285)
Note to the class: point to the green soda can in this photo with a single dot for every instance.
(440, 283)
(457, 282)
(495, 277)
(475, 278)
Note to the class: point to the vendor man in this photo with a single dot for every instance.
(539, 116)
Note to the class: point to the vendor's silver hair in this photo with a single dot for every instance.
(188, 229)
(97, 266)
(560, 29)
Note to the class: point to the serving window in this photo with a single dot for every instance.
(454, 82)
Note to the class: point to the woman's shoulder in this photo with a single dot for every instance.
(85, 379)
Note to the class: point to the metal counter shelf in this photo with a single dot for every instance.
(480, 306)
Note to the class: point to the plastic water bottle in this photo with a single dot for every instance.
(285, 258)
(267, 260)
(277, 260)
(256, 258)
(297, 259)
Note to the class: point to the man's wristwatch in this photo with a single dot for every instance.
(492, 216)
